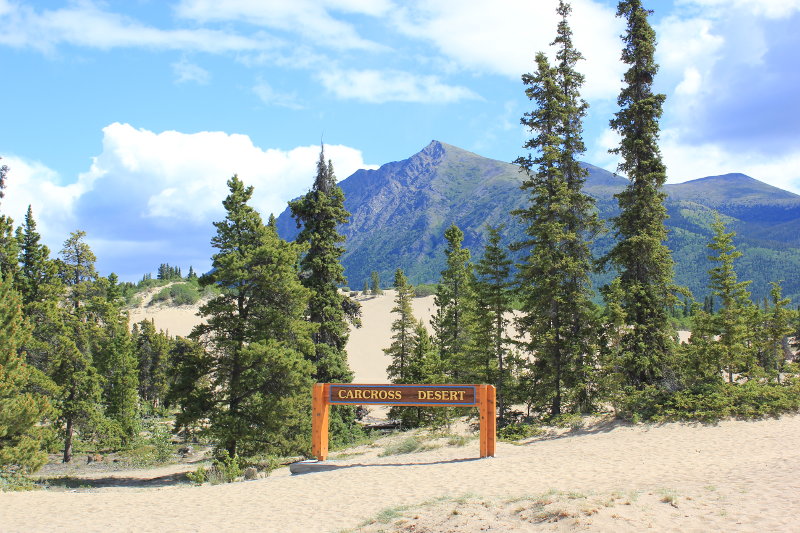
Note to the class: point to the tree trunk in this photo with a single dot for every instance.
(68, 441)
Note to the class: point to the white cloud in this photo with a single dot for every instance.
(186, 71)
(84, 24)
(774, 9)
(270, 96)
(174, 175)
(503, 37)
(377, 86)
(53, 204)
(161, 191)
(310, 18)
(691, 161)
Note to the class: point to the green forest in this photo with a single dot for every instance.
(76, 378)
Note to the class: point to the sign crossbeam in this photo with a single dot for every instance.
(326, 394)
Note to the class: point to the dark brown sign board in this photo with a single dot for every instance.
(323, 395)
(455, 395)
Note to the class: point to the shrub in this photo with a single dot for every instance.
(199, 476)
(179, 294)
(424, 289)
(710, 402)
(514, 432)
(407, 445)
(225, 468)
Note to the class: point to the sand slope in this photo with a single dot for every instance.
(365, 347)
(737, 476)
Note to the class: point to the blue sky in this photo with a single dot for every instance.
(125, 119)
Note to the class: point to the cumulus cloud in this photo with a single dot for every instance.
(53, 203)
(376, 86)
(182, 176)
(151, 194)
(503, 37)
(687, 161)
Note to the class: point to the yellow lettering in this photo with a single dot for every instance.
(461, 395)
(397, 395)
(342, 392)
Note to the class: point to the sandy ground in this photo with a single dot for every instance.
(735, 476)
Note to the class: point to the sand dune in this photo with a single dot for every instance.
(365, 347)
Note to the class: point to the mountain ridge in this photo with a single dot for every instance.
(400, 211)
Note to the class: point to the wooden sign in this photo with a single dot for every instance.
(347, 393)
(326, 394)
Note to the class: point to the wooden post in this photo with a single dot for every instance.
(484, 420)
(319, 421)
(491, 415)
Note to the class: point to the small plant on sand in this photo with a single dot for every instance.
(514, 432)
(225, 468)
(407, 445)
(199, 476)
(669, 496)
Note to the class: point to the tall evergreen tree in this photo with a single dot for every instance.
(452, 300)
(152, 352)
(115, 361)
(319, 213)
(553, 279)
(489, 343)
(38, 273)
(256, 335)
(77, 260)
(644, 262)
(8, 244)
(719, 341)
(22, 408)
(776, 331)
(402, 330)
(375, 283)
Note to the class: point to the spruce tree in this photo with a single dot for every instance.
(453, 298)
(553, 279)
(719, 342)
(644, 262)
(37, 279)
(319, 213)
(402, 331)
(190, 385)
(151, 349)
(22, 407)
(489, 343)
(375, 283)
(77, 260)
(256, 335)
(776, 331)
(115, 361)
(8, 244)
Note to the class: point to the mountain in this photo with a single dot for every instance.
(400, 211)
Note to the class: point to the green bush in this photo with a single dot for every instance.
(225, 468)
(710, 402)
(424, 289)
(199, 476)
(514, 432)
(178, 294)
(407, 445)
